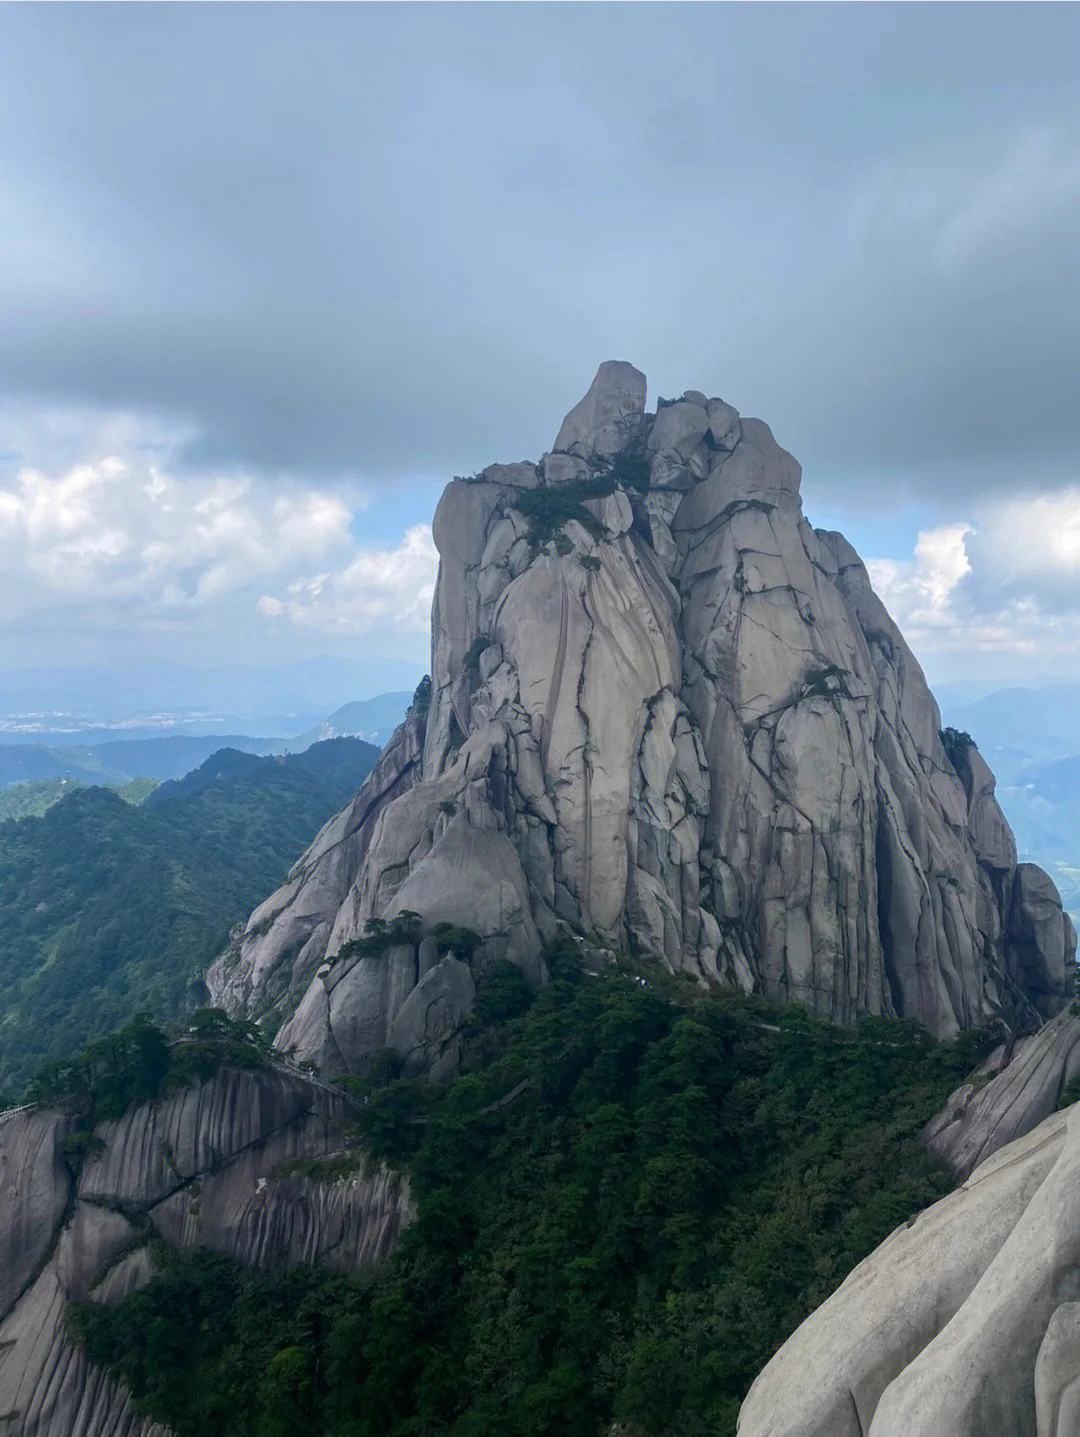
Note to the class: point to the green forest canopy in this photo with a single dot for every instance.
(675, 1183)
(108, 909)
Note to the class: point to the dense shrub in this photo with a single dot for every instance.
(956, 744)
(421, 699)
(382, 934)
(550, 507)
(620, 1216)
(140, 1062)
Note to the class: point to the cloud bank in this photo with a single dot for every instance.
(404, 236)
(118, 543)
(1000, 593)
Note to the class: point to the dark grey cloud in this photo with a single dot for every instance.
(397, 239)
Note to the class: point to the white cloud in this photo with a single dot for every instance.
(380, 587)
(121, 529)
(922, 588)
(1007, 583)
(120, 543)
(1035, 540)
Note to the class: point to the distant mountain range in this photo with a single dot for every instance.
(1015, 727)
(371, 719)
(168, 697)
(120, 760)
(109, 908)
(116, 761)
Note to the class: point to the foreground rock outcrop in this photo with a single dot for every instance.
(965, 1322)
(1020, 1083)
(669, 716)
(204, 1167)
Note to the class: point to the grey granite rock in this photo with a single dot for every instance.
(682, 723)
(963, 1322)
(602, 422)
(208, 1166)
(1019, 1085)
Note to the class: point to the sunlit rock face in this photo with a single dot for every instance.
(669, 716)
(966, 1321)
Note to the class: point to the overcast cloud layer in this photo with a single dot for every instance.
(271, 273)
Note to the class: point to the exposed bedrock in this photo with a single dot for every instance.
(669, 716)
(964, 1322)
(1019, 1084)
(201, 1168)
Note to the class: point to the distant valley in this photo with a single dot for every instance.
(54, 768)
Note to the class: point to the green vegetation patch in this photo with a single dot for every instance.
(109, 909)
(382, 934)
(139, 1064)
(36, 796)
(957, 743)
(622, 1212)
(549, 508)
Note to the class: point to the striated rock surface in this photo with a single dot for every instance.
(669, 716)
(270, 960)
(1019, 1084)
(965, 1322)
(202, 1167)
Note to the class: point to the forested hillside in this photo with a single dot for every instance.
(107, 909)
(626, 1205)
(37, 796)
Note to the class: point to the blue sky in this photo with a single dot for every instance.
(270, 274)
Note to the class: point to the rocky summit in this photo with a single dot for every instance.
(668, 716)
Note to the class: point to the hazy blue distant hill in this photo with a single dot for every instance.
(108, 909)
(228, 698)
(1059, 781)
(119, 760)
(1031, 739)
(33, 763)
(1014, 726)
(333, 761)
(160, 758)
(372, 719)
(171, 756)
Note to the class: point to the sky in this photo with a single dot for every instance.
(270, 275)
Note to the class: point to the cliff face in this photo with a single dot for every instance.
(199, 1168)
(670, 716)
